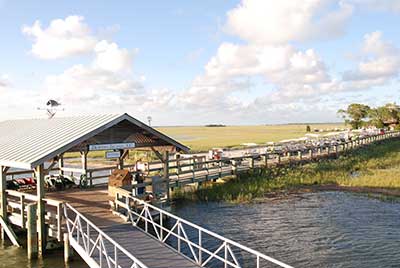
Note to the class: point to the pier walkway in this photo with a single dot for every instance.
(129, 232)
(94, 205)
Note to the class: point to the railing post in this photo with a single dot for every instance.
(266, 160)
(179, 237)
(161, 226)
(23, 219)
(200, 247)
(251, 163)
(59, 221)
(226, 255)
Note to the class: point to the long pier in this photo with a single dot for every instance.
(128, 232)
(179, 172)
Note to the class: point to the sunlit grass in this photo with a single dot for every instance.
(375, 166)
(200, 138)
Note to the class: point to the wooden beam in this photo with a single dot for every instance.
(124, 154)
(3, 187)
(158, 154)
(53, 163)
(39, 174)
(10, 233)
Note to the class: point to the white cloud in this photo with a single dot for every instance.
(278, 22)
(4, 81)
(62, 38)
(380, 5)
(381, 62)
(86, 83)
(112, 58)
(292, 72)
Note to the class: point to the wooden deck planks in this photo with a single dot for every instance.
(93, 203)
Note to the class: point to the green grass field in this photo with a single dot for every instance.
(200, 138)
(374, 167)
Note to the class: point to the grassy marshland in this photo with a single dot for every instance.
(374, 167)
(200, 138)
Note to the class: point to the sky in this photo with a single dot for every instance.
(199, 62)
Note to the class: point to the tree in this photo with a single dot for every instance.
(385, 115)
(355, 114)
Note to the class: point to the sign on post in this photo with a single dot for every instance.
(111, 146)
(113, 154)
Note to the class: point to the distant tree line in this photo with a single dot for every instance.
(360, 115)
(215, 125)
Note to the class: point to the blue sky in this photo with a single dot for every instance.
(198, 62)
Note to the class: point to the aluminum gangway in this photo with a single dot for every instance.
(137, 234)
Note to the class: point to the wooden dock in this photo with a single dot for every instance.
(121, 231)
(94, 204)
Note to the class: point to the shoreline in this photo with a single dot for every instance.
(302, 189)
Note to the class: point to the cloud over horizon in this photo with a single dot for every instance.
(267, 65)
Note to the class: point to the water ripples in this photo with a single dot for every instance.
(325, 229)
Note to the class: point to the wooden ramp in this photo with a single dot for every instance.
(94, 204)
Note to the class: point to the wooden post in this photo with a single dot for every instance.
(3, 187)
(300, 155)
(121, 159)
(266, 160)
(39, 173)
(61, 164)
(67, 249)
(311, 154)
(251, 163)
(166, 172)
(84, 161)
(32, 242)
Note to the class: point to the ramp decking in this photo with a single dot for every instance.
(94, 204)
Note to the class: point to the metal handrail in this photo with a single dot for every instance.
(143, 212)
(89, 241)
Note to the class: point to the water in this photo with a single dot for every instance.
(326, 229)
(12, 257)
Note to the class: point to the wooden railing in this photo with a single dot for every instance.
(184, 170)
(17, 204)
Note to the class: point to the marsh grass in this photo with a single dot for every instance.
(377, 165)
(200, 138)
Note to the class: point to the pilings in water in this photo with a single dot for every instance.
(32, 241)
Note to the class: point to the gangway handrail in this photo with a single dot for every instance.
(88, 240)
(142, 211)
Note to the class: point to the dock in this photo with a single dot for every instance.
(122, 230)
(94, 205)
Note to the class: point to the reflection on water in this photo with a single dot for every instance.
(12, 257)
(326, 229)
